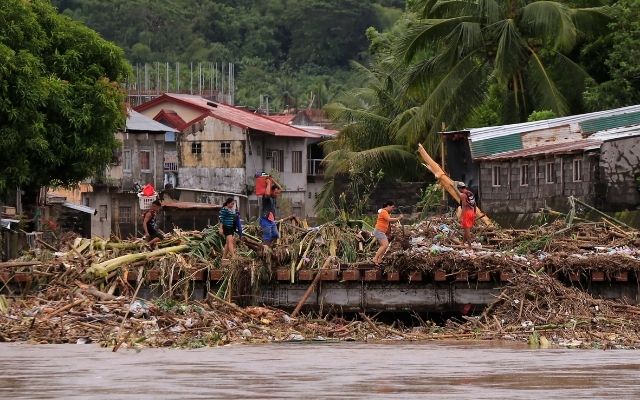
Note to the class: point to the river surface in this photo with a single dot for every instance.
(323, 371)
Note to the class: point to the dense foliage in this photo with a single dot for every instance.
(59, 101)
(455, 64)
(283, 48)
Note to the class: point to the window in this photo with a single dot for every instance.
(145, 160)
(225, 149)
(125, 215)
(577, 170)
(296, 162)
(524, 175)
(550, 172)
(495, 176)
(196, 147)
(309, 194)
(277, 159)
(126, 162)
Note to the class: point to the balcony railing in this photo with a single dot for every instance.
(171, 161)
(315, 167)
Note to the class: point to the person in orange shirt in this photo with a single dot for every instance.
(381, 229)
(468, 215)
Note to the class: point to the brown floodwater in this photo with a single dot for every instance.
(318, 370)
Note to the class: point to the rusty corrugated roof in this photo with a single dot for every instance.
(239, 117)
(187, 205)
(282, 118)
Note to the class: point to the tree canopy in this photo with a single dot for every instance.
(60, 103)
(282, 48)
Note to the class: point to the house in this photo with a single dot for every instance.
(221, 148)
(144, 157)
(522, 168)
(315, 154)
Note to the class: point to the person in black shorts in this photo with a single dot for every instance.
(150, 225)
(228, 227)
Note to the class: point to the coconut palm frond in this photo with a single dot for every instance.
(551, 21)
(547, 94)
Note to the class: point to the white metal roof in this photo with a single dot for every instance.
(616, 133)
(139, 122)
(476, 134)
(79, 207)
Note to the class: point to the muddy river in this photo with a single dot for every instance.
(318, 370)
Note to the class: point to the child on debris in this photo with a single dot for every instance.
(468, 215)
(382, 228)
(150, 225)
(228, 226)
(268, 215)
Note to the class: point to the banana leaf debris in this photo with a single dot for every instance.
(89, 289)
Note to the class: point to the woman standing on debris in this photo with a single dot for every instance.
(382, 228)
(228, 226)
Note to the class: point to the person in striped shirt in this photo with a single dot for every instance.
(228, 226)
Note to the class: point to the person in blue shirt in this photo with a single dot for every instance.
(228, 222)
(268, 215)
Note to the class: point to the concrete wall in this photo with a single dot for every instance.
(136, 143)
(512, 197)
(209, 170)
(620, 169)
(294, 196)
(100, 199)
(206, 178)
(313, 191)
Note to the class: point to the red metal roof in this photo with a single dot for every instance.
(282, 118)
(233, 115)
(577, 146)
(171, 118)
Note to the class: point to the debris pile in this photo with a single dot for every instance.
(88, 290)
(540, 309)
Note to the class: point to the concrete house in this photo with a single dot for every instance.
(315, 154)
(220, 149)
(140, 159)
(522, 168)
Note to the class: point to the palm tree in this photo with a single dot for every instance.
(368, 119)
(460, 47)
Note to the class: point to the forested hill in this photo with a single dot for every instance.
(287, 49)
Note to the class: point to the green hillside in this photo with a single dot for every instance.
(291, 50)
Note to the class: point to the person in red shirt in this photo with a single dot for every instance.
(468, 215)
(382, 228)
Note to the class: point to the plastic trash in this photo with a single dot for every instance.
(437, 249)
(139, 308)
(295, 337)
(444, 228)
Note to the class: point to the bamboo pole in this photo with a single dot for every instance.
(104, 268)
(603, 215)
(447, 183)
(313, 284)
